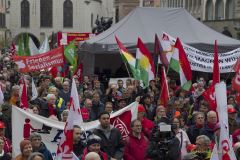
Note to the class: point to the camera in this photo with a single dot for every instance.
(163, 143)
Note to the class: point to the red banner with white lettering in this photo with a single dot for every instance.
(39, 62)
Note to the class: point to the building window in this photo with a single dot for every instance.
(25, 13)
(219, 12)
(209, 10)
(68, 13)
(229, 9)
(46, 13)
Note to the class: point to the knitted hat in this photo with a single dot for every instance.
(141, 108)
(93, 139)
(23, 143)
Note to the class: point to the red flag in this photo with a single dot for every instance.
(236, 82)
(12, 50)
(123, 123)
(216, 72)
(209, 96)
(24, 100)
(79, 72)
(236, 67)
(122, 118)
(164, 95)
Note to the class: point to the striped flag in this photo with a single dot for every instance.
(144, 63)
(181, 65)
(127, 57)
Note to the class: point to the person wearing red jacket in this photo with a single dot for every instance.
(147, 125)
(136, 143)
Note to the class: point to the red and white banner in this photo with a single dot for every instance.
(225, 145)
(64, 38)
(24, 123)
(41, 61)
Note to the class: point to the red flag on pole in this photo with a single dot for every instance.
(237, 66)
(164, 94)
(216, 72)
(236, 82)
(79, 72)
(209, 94)
(24, 100)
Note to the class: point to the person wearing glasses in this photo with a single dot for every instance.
(194, 130)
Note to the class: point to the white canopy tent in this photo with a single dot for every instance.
(145, 22)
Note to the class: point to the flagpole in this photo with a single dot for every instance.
(127, 69)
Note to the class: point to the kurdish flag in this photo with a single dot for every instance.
(144, 63)
(180, 64)
(127, 57)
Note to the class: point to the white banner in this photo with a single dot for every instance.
(24, 123)
(203, 61)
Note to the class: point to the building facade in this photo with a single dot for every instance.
(44, 17)
(221, 15)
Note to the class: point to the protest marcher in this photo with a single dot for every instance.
(78, 145)
(94, 145)
(232, 119)
(181, 135)
(92, 156)
(194, 130)
(3, 155)
(208, 129)
(39, 146)
(36, 156)
(26, 150)
(7, 143)
(202, 149)
(65, 92)
(136, 144)
(111, 142)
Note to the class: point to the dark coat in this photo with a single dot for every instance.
(207, 132)
(43, 149)
(113, 145)
(193, 132)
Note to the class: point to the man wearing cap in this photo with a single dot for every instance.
(232, 119)
(111, 142)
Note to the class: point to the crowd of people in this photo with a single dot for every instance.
(185, 129)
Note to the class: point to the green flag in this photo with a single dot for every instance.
(71, 55)
(20, 46)
(27, 49)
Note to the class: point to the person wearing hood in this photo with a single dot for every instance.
(39, 146)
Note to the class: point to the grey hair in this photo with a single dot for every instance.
(33, 135)
(197, 114)
(34, 154)
(205, 138)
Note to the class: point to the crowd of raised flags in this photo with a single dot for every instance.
(144, 68)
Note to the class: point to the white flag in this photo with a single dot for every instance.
(33, 49)
(45, 46)
(225, 146)
(65, 147)
(34, 91)
(214, 155)
(1, 96)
